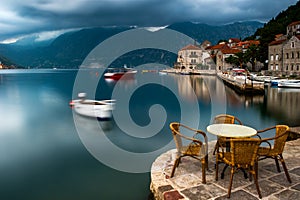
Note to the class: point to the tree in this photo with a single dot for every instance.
(251, 55)
(240, 58)
(232, 60)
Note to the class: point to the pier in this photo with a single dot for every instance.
(242, 85)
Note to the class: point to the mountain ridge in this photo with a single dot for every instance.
(69, 49)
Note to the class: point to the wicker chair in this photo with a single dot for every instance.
(224, 119)
(195, 146)
(276, 150)
(242, 155)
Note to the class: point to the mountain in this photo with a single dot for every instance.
(69, 49)
(7, 63)
(277, 25)
(202, 32)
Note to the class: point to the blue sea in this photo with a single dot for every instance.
(47, 151)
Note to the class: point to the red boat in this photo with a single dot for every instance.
(117, 73)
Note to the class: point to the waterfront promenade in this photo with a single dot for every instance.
(186, 183)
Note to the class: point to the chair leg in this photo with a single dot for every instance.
(285, 168)
(230, 184)
(206, 161)
(203, 172)
(217, 169)
(255, 177)
(245, 173)
(277, 164)
(223, 171)
(176, 163)
(216, 147)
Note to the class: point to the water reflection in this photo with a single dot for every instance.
(283, 103)
(280, 104)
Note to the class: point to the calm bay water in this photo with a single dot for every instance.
(43, 152)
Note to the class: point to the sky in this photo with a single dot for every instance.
(49, 18)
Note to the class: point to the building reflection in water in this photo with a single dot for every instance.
(284, 103)
(210, 88)
(280, 104)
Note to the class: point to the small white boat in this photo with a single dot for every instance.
(289, 84)
(100, 109)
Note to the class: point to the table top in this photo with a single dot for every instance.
(231, 130)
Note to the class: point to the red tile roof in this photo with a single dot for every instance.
(190, 47)
(235, 40)
(294, 23)
(230, 51)
(276, 42)
(219, 46)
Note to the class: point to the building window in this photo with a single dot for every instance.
(272, 58)
(292, 67)
(293, 45)
(287, 68)
(287, 55)
(276, 57)
(298, 54)
(297, 67)
(292, 56)
(276, 67)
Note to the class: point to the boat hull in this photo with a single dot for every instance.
(102, 110)
(289, 84)
(116, 74)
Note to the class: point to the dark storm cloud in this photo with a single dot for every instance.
(24, 17)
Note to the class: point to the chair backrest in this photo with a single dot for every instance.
(280, 138)
(180, 139)
(244, 151)
(176, 135)
(226, 119)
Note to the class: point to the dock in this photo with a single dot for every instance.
(242, 85)
(187, 181)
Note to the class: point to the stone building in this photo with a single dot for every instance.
(293, 29)
(284, 52)
(191, 57)
(221, 55)
(291, 56)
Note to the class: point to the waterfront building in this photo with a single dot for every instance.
(222, 54)
(284, 52)
(193, 57)
(224, 50)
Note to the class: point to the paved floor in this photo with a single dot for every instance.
(186, 183)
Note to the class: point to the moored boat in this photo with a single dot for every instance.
(277, 81)
(118, 73)
(100, 109)
(289, 84)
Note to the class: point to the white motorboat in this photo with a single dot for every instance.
(289, 84)
(100, 109)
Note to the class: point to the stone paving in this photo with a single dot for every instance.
(186, 183)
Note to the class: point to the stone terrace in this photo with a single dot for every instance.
(186, 183)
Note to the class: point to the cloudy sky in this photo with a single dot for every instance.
(52, 17)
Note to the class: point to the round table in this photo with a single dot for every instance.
(231, 130)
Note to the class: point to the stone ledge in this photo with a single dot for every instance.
(186, 183)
